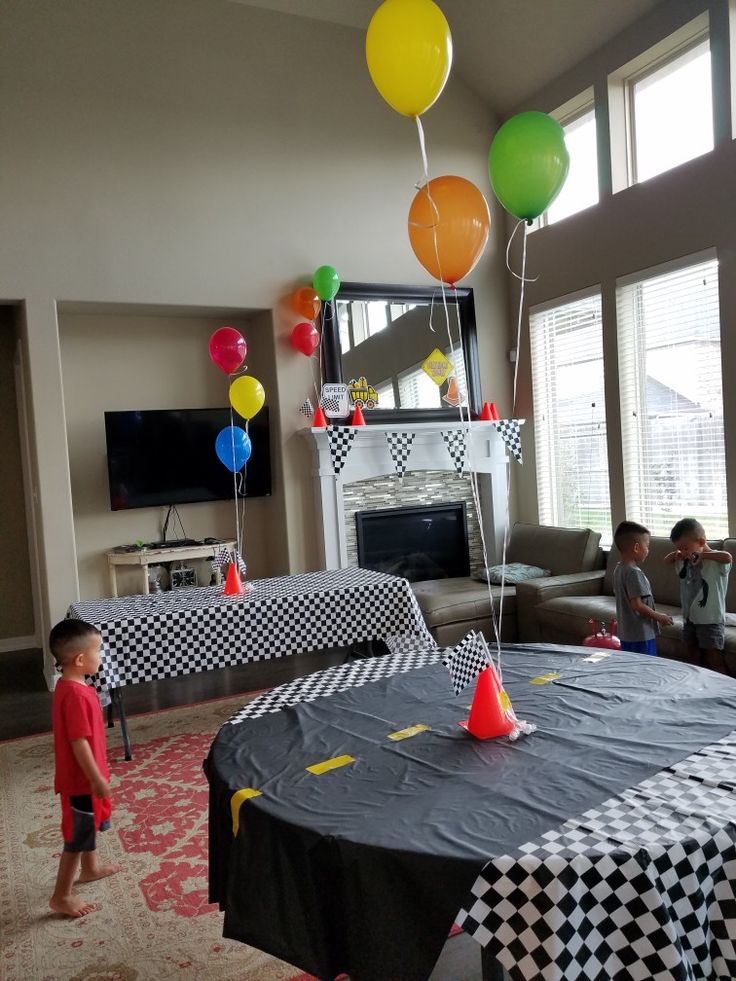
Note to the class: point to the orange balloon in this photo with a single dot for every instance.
(306, 303)
(449, 224)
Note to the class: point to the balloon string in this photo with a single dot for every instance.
(473, 477)
(523, 282)
(531, 279)
(235, 477)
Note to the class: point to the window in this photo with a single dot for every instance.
(671, 397)
(569, 414)
(580, 190)
(671, 113)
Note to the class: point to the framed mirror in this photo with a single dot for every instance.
(396, 338)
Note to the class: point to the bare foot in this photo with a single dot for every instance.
(71, 906)
(99, 872)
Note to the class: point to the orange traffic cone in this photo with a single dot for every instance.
(486, 415)
(357, 419)
(488, 718)
(319, 421)
(233, 583)
(494, 411)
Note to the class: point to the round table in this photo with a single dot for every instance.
(352, 820)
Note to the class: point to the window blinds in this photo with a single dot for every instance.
(671, 398)
(569, 415)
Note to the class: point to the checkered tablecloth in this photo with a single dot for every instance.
(639, 888)
(163, 635)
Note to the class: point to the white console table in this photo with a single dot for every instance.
(145, 557)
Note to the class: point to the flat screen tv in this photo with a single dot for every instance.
(167, 456)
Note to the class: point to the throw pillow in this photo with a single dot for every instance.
(515, 572)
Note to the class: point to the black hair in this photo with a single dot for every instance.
(627, 534)
(68, 636)
(687, 526)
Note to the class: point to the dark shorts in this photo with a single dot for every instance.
(641, 646)
(706, 636)
(81, 818)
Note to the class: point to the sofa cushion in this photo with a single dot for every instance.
(444, 601)
(729, 545)
(571, 615)
(561, 550)
(512, 573)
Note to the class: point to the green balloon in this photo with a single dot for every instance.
(326, 282)
(528, 163)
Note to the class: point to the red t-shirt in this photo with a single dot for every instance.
(77, 715)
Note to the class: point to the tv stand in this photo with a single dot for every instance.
(159, 553)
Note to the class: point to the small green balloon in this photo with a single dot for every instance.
(528, 163)
(326, 282)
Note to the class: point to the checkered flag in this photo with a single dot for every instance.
(240, 562)
(221, 559)
(510, 432)
(457, 445)
(341, 439)
(330, 404)
(466, 661)
(306, 408)
(399, 445)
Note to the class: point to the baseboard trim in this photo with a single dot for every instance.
(8, 644)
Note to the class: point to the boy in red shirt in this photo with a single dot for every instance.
(80, 750)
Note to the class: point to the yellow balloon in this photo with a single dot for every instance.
(409, 52)
(247, 396)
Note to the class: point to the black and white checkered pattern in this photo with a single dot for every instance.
(510, 432)
(221, 559)
(457, 445)
(306, 408)
(399, 445)
(643, 886)
(333, 680)
(466, 661)
(164, 635)
(330, 404)
(340, 439)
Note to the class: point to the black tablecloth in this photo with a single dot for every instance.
(363, 868)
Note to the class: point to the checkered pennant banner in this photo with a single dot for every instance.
(510, 432)
(306, 408)
(341, 439)
(399, 445)
(221, 559)
(466, 661)
(457, 445)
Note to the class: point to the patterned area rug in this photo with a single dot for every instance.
(153, 922)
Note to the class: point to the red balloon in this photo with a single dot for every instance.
(305, 338)
(228, 349)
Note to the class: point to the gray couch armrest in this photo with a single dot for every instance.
(531, 593)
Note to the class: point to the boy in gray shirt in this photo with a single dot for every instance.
(638, 621)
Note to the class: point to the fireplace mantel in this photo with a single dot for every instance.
(369, 457)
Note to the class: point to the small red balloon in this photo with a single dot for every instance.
(305, 338)
(228, 349)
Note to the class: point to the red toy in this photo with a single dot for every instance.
(605, 639)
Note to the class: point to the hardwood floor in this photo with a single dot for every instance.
(25, 702)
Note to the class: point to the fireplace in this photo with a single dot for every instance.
(428, 542)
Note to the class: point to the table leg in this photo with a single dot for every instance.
(144, 570)
(117, 701)
(491, 970)
(110, 715)
(113, 580)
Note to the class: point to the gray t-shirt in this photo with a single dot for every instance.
(703, 590)
(629, 582)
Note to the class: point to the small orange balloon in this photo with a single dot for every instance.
(306, 303)
(449, 224)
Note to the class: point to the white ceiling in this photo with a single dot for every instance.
(504, 49)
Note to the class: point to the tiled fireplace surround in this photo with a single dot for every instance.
(368, 481)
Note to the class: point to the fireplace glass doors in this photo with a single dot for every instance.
(417, 543)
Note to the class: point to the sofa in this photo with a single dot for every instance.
(558, 610)
(453, 606)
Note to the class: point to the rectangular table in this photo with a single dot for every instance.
(166, 635)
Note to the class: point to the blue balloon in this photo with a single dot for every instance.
(233, 447)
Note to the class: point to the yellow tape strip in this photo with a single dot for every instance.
(332, 764)
(544, 679)
(409, 732)
(505, 701)
(236, 800)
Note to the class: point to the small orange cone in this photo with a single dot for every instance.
(233, 583)
(488, 718)
(486, 415)
(319, 421)
(494, 411)
(357, 419)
